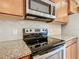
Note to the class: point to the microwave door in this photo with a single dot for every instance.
(39, 6)
(39, 10)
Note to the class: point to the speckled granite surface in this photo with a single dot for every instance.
(65, 37)
(13, 49)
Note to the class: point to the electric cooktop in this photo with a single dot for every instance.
(38, 41)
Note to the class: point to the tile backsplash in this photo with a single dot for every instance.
(12, 30)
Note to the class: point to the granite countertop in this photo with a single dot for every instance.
(13, 49)
(65, 37)
(68, 37)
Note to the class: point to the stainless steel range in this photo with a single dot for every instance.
(41, 45)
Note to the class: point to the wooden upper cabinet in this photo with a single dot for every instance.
(78, 9)
(58, 9)
(72, 6)
(61, 9)
(61, 12)
(64, 8)
(12, 7)
(62, 20)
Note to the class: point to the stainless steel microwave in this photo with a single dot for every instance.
(43, 9)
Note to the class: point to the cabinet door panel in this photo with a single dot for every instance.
(74, 51)
(14, 7)
(64, 8)
(61, 9)
(58, 9)
(71, 51)
(72, 6)
(61, 12)
(68, 52)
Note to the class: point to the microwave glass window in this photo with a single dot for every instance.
(40, 6)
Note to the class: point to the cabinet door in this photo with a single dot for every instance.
(74, 51)
(72, 6)
(58, 9)
(78, 9)
(64, 8)
(61, 9)
(61, 12)
(12, 7)
(62, 20)
(68, 52)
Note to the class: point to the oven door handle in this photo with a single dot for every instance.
(45, 51)
(51, 51)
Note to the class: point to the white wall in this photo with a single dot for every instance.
(12, 30)
(73, 26)
(54, 29)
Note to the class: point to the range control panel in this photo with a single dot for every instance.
(35, 38)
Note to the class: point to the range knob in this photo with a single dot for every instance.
(43, 29)
(26, 30)
(30, 30)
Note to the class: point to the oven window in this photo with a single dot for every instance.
(40, 6)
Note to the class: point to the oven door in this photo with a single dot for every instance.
(56, 54)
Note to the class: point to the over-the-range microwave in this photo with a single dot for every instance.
(40, 10)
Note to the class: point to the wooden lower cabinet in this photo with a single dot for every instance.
(25, 57)
(74, 51)
(68, 50)
(71, 51)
